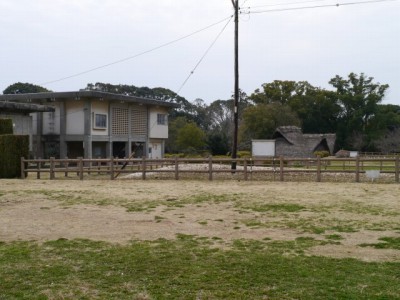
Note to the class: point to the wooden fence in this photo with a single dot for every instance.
(282, 169)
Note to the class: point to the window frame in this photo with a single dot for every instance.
(162, 119)
(98, 124)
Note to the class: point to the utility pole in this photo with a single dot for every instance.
(236, 97)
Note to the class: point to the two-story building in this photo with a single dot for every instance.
(94, 124)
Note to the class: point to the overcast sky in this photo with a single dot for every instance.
(46, 40)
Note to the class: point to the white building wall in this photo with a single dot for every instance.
(51, 121)
(158, 131)
(75, 117)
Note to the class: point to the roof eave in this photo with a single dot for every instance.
(53, 96)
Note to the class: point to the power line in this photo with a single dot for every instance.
(316, 6)
(204, 55)
(287, 3)
(136, 55)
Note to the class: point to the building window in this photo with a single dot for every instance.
(100, 121)
(161, 119)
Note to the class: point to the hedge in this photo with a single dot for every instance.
(12, 148)
(6, 126)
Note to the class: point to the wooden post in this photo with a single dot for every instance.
(176, 168)
(210, 174)
(318, 168)
(112, 168)
(281, 168)
(357, 169)
(396, 169)
(52, 168)
(144, 167)
(22, 168)
(80, 164)
(66, 165)
(98, 166)
(245, 169)
(38, 167)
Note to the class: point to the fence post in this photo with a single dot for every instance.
(396, 169)
(80, 164)
(176, 168)
(22, 168)
(281, 168)
(210, 174)
(52, 168)
(38, 167)
(245, 169)
(112, 168)
(357, 169)
(318, 168)
(66, 164)
(144, 167)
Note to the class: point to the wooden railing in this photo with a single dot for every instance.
(281, 169)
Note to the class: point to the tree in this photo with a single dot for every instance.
(390, 142)
(277, 91)
(358, 97)
(260, 121)
(191, 138)
(174, 127)
(24, 88)
(318, 110)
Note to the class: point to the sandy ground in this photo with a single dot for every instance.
(123, 210)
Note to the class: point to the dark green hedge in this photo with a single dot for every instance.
(6, 126)
(12, 148)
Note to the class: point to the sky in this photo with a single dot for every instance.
(133, 42)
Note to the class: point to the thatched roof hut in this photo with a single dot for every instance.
(291, 142)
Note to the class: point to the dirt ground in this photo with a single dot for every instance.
(124, 210)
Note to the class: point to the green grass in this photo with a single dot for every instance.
(275, 207)
(188, 268)
(388, 243)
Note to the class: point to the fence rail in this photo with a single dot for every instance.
(282, 169)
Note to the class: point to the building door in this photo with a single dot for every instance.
(155, 150)
(119, 149)
(75, 149)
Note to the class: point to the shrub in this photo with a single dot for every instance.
(6, 126)
(321, 154)
(12, 148)
(243, 154)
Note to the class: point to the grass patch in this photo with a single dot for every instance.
(388, 243)
(187, 268)
(275, 207)
(335, 237)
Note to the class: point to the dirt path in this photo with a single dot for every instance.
(122, 211)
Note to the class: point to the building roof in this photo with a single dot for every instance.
(24, 107)
(77, 95)
(294, 136)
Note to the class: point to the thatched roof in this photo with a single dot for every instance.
(304, 144)
(24, 107)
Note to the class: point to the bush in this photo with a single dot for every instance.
(243, 154)
(12, 148)
(321, 154)
(6, 126)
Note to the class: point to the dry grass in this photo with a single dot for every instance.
(121, 211)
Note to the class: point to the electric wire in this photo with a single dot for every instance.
(205, 54)
(136, 55)
(285, 4)
(316, 6)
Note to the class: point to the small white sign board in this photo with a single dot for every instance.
(263, 148)
(372, 174)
